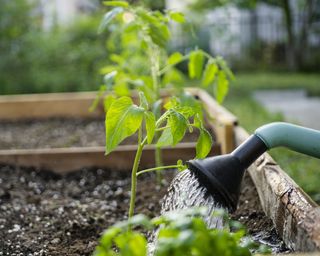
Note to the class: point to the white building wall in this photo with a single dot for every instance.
(64, 12)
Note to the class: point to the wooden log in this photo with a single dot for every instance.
(63, 160)
(294, 214)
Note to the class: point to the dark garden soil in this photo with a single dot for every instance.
(52, 133)
(252, 216)
(42, 213)
(58, 133)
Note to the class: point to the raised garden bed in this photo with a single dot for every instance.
(77, 214)
(56, 131)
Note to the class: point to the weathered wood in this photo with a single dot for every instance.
(294, 214)
(295, 254)
(63, 160)
(48, 105)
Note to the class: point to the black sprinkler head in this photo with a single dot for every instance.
(222, 175)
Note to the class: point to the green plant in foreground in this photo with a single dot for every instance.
(180, 233)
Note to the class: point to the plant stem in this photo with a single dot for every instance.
(158, 160)
(141, 144)
(134, 173)
(167, 67)
(159, 168)
(154, 56)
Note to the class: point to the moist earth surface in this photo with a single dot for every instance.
(42, 213)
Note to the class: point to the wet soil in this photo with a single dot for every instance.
(42, 213)
(252, 216)
(59, 133)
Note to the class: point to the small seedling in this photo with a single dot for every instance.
(180, 233)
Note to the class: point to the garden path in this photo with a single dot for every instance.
(295, 105)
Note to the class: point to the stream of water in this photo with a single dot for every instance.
(184, 192)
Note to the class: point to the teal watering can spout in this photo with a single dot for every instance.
(294, 137)
(222, 175)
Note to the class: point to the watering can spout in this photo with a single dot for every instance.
(222, 175)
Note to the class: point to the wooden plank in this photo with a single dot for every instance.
(294, 214)
(62, 160)
(48, 105)
(294, 254)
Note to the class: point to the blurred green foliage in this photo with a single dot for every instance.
(33, 60)
(278, 80)
(181, 232)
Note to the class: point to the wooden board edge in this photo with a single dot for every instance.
(66, 160)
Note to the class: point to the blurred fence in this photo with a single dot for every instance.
(247, 36)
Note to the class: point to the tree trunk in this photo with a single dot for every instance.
(303, 46)
(290, 51)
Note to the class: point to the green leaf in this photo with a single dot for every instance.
(122, 120)
(225, 68)
(209, 73)
(108, 100)
(159, 34)
(140, 220)
(121, 89)
(198, 121)
(204, 144)
(117, 58)
(108, 236)
(175, 58)
(174, 77)
(107, 69)
(150, 125)
(189, 100)
(177, 17)
(195, 64)
(143, 101)
(165, 138)
(172, 103)
(222, 87)
(147, 17)
(131, 243)
(178, 125)
(116, 3)
(108, 17)
(182, 166)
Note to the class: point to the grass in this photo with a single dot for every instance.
(271, 80)
(303, 169)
